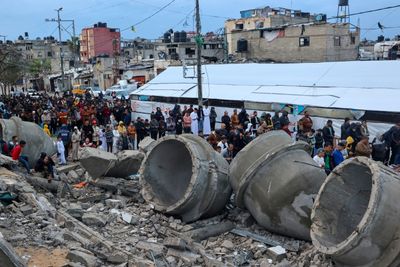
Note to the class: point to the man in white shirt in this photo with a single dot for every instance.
(319, 158)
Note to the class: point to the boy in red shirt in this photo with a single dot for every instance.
(16, 154)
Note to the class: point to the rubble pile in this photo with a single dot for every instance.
(162, 216)
(106, 226)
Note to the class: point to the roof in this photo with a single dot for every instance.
(354, 85)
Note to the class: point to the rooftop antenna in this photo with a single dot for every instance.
(343, 12)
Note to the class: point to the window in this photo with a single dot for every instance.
(336, 41)
(171, 51)
(190, 51)
(259, 24)
(49, 54)
(353, 39)
(304, 41)
(239, 26)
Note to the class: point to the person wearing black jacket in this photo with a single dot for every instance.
(328, 132)
(45, 165)
(226, 120)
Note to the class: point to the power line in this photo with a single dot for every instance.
(366, 11)
(149, 17)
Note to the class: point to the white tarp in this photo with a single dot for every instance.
(355, 85)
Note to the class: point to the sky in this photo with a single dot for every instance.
(19, 16)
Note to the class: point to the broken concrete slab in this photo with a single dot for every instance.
(150, 246)
(146, 144)
(67, 168)
(88, 260)
(97, 162)
(210, 230)
(128, 163)
(75, 210)
(187, 256)
(8, 256)
(26, 210)
(175, 242)
(277, 253)
(94, 219)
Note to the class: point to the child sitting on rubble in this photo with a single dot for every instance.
(45, 165)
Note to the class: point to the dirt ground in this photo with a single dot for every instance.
(41, 257)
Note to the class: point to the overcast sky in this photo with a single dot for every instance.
(19, 16)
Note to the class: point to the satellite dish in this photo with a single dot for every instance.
(128, 75)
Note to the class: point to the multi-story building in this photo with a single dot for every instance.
(284, 35)
(99, 40)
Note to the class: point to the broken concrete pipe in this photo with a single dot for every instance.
(99, 163)
(183, 176)
(276, 180)
(355, 218)
(37, 140)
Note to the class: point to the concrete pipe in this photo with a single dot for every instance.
(356, 215)
(276, 180)
(183, 176)
(36, 140)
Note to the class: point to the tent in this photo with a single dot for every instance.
(357, 89)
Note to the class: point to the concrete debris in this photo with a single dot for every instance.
(87, 259)
(8, 256)
(146, 144)
(94, 219)
(276, 253)
(104, 164)
(109, 223)
(128, 163)
(198, 188)
(356, 213)
(96, 162)
(276, 180)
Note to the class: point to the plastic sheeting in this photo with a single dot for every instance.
(355, 85)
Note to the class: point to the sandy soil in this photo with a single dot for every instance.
(41, 257)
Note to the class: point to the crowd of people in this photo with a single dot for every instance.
(107, 124)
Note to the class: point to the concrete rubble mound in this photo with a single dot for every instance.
(276, 180)
(37, 141)
(355, 218)
(183, 176)
(99, 163)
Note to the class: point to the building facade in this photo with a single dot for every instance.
(99, 40)
(283, 35)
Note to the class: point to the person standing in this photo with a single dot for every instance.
(154, 125)
(225, 119)
(60, 151)
(95, 135)
(344, 129)
(337, 155)
(131, 135)
(76, 140)
(235, 119)
(328, 133)
(116, 136)
(206, 122)
(195, 125)
(213, 118)
(109, 138)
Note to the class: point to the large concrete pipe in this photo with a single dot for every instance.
(183, 176)
(356, 215)
(36, 140)
(276, 180)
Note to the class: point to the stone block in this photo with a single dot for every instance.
(277, 253)
(94, 219)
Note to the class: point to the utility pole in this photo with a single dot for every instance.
(61, 50)
(199, 42)
(4, 37)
